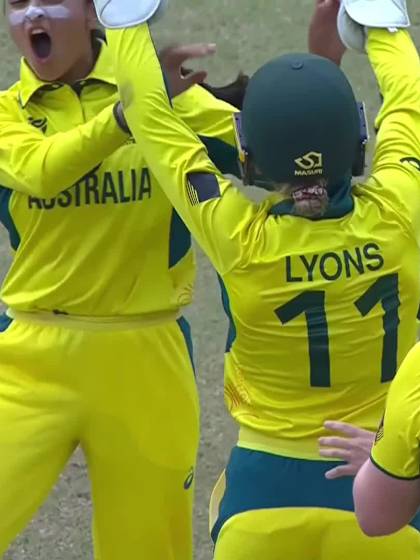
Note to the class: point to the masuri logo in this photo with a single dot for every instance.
(309, 164)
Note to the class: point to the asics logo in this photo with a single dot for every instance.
(39, 123)
(309, 164)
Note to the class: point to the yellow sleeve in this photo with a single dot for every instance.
(396, 165)
(397, 447)
(221, 219)
(212, 120)
(43, 166)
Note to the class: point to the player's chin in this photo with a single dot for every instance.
(47, 71)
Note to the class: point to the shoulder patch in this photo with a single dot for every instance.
(202, 187)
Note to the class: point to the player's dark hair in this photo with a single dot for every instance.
(98, 34)
(232, 93)
(311, 200)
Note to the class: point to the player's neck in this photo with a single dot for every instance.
(80, 69)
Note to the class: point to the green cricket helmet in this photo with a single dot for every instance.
(300, 122)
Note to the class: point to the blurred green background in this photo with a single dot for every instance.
(247, 33)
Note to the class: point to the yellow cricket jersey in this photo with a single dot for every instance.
(322, 312)
(91, 231)
(397, 445)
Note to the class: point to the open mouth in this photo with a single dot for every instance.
(41, 43)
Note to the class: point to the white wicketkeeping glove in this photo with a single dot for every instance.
(355, 15)
(114, 14)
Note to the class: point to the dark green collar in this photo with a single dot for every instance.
(340, 203)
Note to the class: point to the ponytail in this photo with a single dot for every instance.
(310, 201)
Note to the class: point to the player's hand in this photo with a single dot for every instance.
(178, 79)
(172, 60)
(352, 445)
(323, 37)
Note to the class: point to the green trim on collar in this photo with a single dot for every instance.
(30, 83)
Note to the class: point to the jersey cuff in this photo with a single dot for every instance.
(392, 475)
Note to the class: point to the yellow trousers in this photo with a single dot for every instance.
(269, 507)
(128, 397)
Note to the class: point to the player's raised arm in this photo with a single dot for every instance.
(44, 166)
(387, 488)
(323, 37)
(209, 117)
(224, 222)
(221, 219)
(199, 106)
(212, 120)
(379, 27)
(396, 64)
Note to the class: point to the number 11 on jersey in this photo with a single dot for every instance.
(312, 303)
